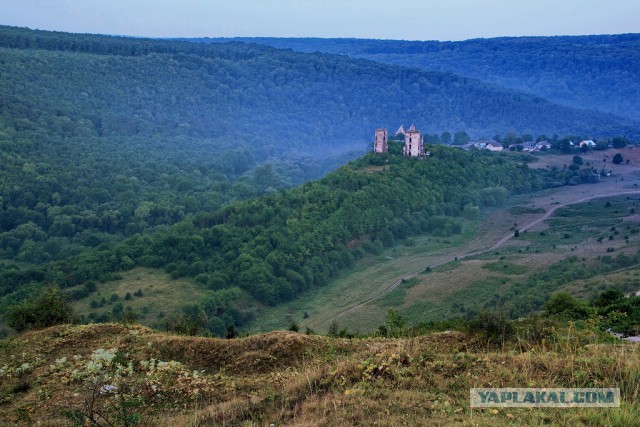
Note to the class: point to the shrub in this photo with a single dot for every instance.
(470, 211)
(617, 159)
(564, 305)
(608, 297)
(190, 321)
(333, 329)
(394, 326)
(48, 309)
(294, 327)
(493, 328)
(536, 329)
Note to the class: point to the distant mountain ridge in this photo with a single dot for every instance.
(594, 71)
(281, 99)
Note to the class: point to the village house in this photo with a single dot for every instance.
(589, 143)
(542, 145)
(494, 146)
(487, 144)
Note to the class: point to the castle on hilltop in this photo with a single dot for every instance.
(413, 142)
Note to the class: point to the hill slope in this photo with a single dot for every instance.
(597, 72)
(113, 373)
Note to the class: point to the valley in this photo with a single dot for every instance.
(198, 234)
(358, 299)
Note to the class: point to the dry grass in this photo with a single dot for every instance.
(595, 158)
(293, 379)
(436, 287)
(626, 280)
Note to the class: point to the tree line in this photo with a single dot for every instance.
(591, 71)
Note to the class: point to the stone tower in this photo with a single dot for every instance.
(380, 144)
(413, 143)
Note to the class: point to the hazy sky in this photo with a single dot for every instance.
(385, 19)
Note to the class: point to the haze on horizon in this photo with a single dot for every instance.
(380, 19)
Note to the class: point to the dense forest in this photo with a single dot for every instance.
(596, 72)
(273, 99)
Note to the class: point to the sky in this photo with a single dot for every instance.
(379, 19)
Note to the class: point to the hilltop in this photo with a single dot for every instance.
(595, 72)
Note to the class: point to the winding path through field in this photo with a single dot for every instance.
(499, 243)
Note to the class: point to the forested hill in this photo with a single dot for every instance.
(271, 249)
(598, 71)
(271, 99)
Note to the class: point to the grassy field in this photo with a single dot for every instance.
(587, 231)
(151, 294)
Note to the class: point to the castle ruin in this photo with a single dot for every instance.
(413, 142)
(380, 143)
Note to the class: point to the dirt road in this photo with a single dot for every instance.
(498, 244)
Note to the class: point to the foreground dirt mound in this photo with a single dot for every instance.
(259, 353)
(130, 375)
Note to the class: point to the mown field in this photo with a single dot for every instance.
(148, 295)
